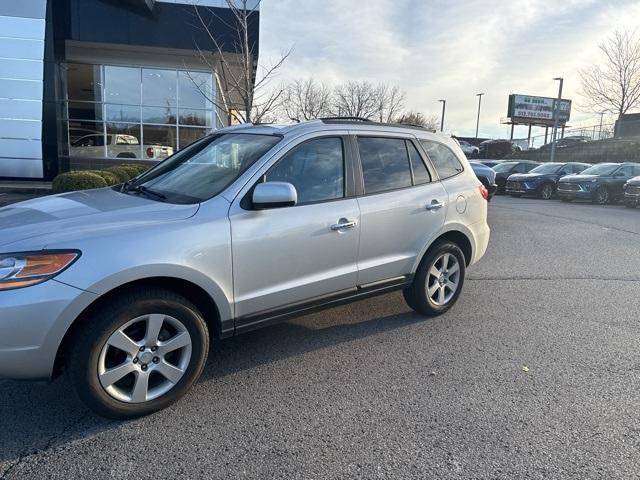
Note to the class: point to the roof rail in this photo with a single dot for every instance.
(344, 119)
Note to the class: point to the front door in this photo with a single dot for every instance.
(285, 257)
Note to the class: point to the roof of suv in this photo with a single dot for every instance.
(351, 123)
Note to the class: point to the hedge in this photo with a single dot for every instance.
(72, 181)
(88, 179)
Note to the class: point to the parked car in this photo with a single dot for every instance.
(505, 169)
(123, 286)
(491, 163)
(495, 148)
(542, 180)
(601, 183)
(566, 142)
(632, 192)
(118, 146)
(487, 176)
(471, 151)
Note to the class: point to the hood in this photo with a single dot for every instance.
(86, 212)
(634, 181)
(578, 178)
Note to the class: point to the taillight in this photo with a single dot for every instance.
(484, 192)
(150, 152)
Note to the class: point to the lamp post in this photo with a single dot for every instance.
(556, 115)
(479, 95)
(600, 132)
(444, 105)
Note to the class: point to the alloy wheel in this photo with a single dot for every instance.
(144, 358)
(547, 192)
(602, 196)
(443, 279)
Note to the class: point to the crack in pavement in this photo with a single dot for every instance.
(585, 222)
(28, 453)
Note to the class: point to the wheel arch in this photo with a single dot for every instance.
(193, 292)
(457, 234)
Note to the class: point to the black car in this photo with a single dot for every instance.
(486, 175)
(566, 142)
(495, 148)
(632, 192)
(491, 163)
(601, 183)
(542, 180)
(505, 169)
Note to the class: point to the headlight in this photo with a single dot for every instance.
(18, 270)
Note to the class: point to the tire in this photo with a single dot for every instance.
(630, 204)
(602, 196)
(125, 321)
(546, 191)
(417, 295)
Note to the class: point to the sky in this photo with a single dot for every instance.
(447, 49)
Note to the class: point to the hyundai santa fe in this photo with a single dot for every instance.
(123, 287)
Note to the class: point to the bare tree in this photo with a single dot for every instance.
(367, 100)
(306, 100)
(614, 85)
(243, 86)
(431, 122)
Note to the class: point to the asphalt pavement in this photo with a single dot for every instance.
(535, 373)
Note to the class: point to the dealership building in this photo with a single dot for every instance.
(87, 83)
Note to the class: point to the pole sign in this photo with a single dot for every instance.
(538, 109)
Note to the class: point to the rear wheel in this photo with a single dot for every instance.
(546, 192)
(630, 204)
(139, 354)
(438, 281)
(602, 196)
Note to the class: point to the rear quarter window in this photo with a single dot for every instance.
(443, 159)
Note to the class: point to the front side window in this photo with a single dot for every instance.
(315, 168)
(444, 160)
(625, 171)
(205, 168)
(601, 169)
(385, 164)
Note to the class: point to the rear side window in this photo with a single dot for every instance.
(385, 164)
(443, 159)
(420, 173)
(315, 168)
(636, 171)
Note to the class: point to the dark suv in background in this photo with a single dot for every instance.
(505, 169)
(632, 192)
(602, 184)
(542, 180)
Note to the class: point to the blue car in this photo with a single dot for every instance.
(542, 181)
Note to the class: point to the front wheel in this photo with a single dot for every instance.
(438, 281)
(602, 196)
(139, 354)
(546, 192)
(630, 204)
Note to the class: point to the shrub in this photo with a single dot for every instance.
(123, 174)
(133, 170)
(72, 181)
(108, 177)
(139, 168)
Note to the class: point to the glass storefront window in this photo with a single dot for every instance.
(189, 135)
(84, 82)
(195, 89)
(142, 109)
(164, 115)
(122, 85)
(159, 87)
(123, 113)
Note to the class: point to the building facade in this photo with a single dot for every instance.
(88, 83)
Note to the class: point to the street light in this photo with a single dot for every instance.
(444, 105)
(556, 115)
(479, 95)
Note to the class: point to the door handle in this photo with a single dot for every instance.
(343, 223)
(435, 205)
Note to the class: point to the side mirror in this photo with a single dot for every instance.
(274, 195)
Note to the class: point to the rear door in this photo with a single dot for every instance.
(401, 207)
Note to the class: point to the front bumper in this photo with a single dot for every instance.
(632, 198)
(574, 194)
(33, 322)
(521, 189)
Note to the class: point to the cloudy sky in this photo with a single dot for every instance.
(448, 49)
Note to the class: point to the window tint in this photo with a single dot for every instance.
(444, 160)
(420, 172)
(385, 164)
(315, 168)
(529, 166)
(520, 168)
(636, 170)
(626, 171)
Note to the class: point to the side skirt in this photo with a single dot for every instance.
(270, 317)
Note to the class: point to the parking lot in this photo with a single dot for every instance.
(535, 373)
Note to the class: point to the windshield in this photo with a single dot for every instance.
(504, 167)
(602, 169)
(547, 168)
(205, 168)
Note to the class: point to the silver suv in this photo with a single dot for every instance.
(123, 287)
